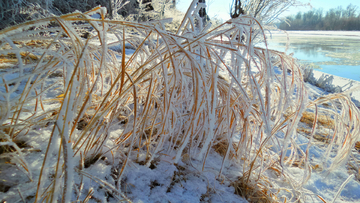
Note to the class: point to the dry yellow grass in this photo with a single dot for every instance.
(12, 59)
(322, 137)
(357, 146)
(251, 192)
(221, 147)
(324, 120)
(308, 118)
(167, 95)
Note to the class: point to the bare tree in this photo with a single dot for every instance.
(265, 10)
(236, 10)
(350, 11)
(148, 6)
(202, 11)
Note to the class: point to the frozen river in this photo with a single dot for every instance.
(333, 52)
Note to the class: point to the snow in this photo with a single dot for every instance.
(186, 181)
(327, 184)
(333, 81)
(164, 181)
(330, 83)
(321, 182)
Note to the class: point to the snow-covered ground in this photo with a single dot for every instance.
(327, 184)
(164, 181)
(186, 182)
(333, 83)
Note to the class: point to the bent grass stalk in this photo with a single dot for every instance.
(186, 90)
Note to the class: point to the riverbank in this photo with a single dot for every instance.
(334, 84)
(317, 33)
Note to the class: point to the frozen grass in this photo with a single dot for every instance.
(177, 94)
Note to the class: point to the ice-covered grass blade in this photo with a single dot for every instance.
(183, 93)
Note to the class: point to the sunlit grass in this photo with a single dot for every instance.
(177, 94)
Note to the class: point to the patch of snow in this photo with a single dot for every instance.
(333, 83)
(183, 182)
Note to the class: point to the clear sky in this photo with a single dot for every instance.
(220, 8)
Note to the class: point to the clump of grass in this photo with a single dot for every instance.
(10, 59)
(9, 148)
(178, 177)
(322, 137)
(221, 147)
(83, 122)
(324, 120)
(251, 192)
(357, 146)
(184, 93)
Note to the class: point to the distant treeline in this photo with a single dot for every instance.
(334, 19)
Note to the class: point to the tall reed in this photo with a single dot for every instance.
(176, 92)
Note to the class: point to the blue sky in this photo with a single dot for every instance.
(220, 8)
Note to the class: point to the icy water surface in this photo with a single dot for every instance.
(337, 55)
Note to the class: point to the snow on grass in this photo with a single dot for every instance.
(333, 83)
(166, 182)
(179, 117)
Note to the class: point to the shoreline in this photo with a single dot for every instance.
(318, 33)
(327, 82)
(333, 84)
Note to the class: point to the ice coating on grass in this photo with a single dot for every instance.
(201, 108)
